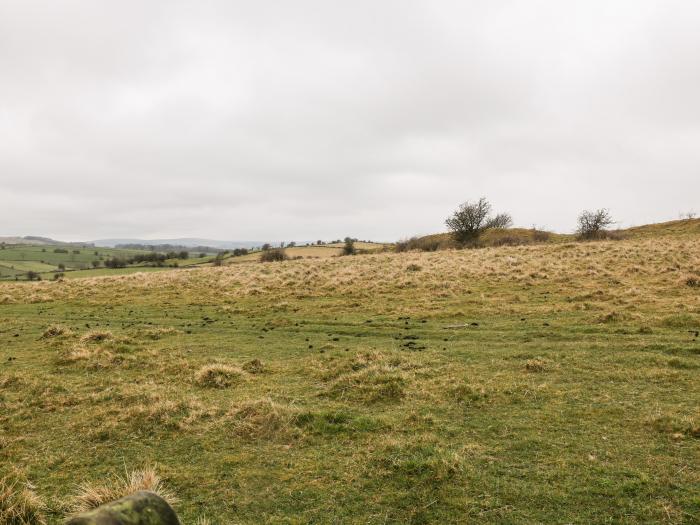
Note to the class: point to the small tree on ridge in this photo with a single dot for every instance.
(472, 219)
(592, 224)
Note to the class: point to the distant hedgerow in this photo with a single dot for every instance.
(273, 255)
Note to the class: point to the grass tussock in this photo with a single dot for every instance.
(94, 357)
(537, 365)
(91, 495)
(370, 377)
(55, 330)
(423, 463)
(19, 503)
(96, 336)
(218, 375)
(263, 419)
(254, 366)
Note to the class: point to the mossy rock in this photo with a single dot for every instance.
(140, 508)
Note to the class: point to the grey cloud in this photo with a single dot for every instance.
(281, 120)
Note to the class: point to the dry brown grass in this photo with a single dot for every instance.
(633, 273)
(254, 366)
(92, 495)
(55, 330)
(218, 375)
(19, 504)
(262, 419)
(96, 336)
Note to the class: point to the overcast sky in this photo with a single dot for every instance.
(281, 120)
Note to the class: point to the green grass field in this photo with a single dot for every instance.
(17, 260)
(553, 383)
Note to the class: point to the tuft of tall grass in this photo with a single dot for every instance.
(19, 503)
(91, 495)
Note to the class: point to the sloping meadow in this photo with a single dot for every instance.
(546, 383)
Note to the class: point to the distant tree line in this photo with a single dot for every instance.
(151, 259)
(169, 248)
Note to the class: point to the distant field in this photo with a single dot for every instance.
(310, 252)
(550, 383)
(359, 245)
(16, 261)
(100, 272)
(26, 266)
(45, 259)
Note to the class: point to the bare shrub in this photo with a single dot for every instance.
(424, 244)
(273, 255)
(592, 224)
(349, 246)
(472, 219)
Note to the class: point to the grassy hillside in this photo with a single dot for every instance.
(322, 251)
(672, 228)
(553, 383)
(500, 237)
(678, 228)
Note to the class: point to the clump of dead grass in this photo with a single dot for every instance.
(218, 375)
(55, 330)
(263, 419)
(160, 413)
(254, 366)
(92, 356)
(96, 336)
(537, 365)
(19, 503)
(91, 495)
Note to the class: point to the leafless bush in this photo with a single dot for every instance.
(273, 254)
(472, 219)
(592, 224)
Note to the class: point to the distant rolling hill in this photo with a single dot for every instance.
(185, 241)
(36, 241)
(684, 227)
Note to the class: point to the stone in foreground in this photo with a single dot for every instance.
(140, 508)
